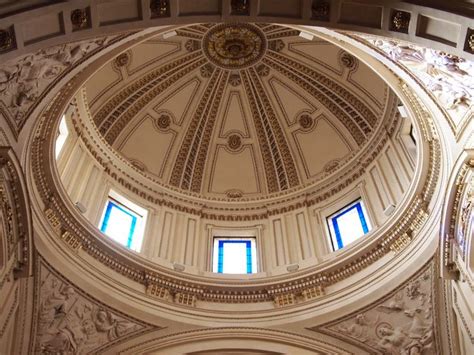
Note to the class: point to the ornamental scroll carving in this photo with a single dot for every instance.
(71, 322)
(400, 324)
(23, 80)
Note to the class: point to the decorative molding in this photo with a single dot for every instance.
(234, 46)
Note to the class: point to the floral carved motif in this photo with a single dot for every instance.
(122, 60)
(163, 122)
(240, 7)
(400, 21)
(7, 39)
(80, 19)
(306, 121)
(234, 46)
(159, 8)
(347, 60)
(234, 142)
(234, 79)
(321, 10)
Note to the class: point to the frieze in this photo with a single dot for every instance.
(67, 320)
(443, 76)
(403, 322)
(24, 80)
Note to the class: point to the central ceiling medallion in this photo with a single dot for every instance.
(234, 46)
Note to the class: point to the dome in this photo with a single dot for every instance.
(187, 178)
(237, 111)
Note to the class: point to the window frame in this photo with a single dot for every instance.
(62, 135)
(139, 217)
(334, 233)
(251, 247)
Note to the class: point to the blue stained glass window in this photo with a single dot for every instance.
(119, 223)
(234, 255)
(348, 224)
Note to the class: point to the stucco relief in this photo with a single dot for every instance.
(70, 322)
(466, 216)
(23, 80)
(401, 323)
(446, 76)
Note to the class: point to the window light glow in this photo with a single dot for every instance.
(123, 221)
(234, 256)
(348, 224)
(62, 136)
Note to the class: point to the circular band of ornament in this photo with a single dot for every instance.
(234, 46)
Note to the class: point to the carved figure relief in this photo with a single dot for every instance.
(401, 323)
(23, 80)
(465, 216)
(70, 322)
(445, 75)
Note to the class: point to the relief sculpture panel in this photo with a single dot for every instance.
(68, 321)
(400, 323)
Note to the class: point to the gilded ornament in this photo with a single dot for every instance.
(6, 40)
(470, 41)
(400, 21)
(159, 8)
(234, 46)
(240, 7)
(320, 10)
(79, 18)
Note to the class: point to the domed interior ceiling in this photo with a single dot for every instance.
(236, 110)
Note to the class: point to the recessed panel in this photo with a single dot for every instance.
(287, 8)
(438, 30)
(361, 15)
(43, 27)
(119, 11)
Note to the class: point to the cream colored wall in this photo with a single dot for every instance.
(299, 237)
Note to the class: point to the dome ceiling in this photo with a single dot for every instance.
(237, 110)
